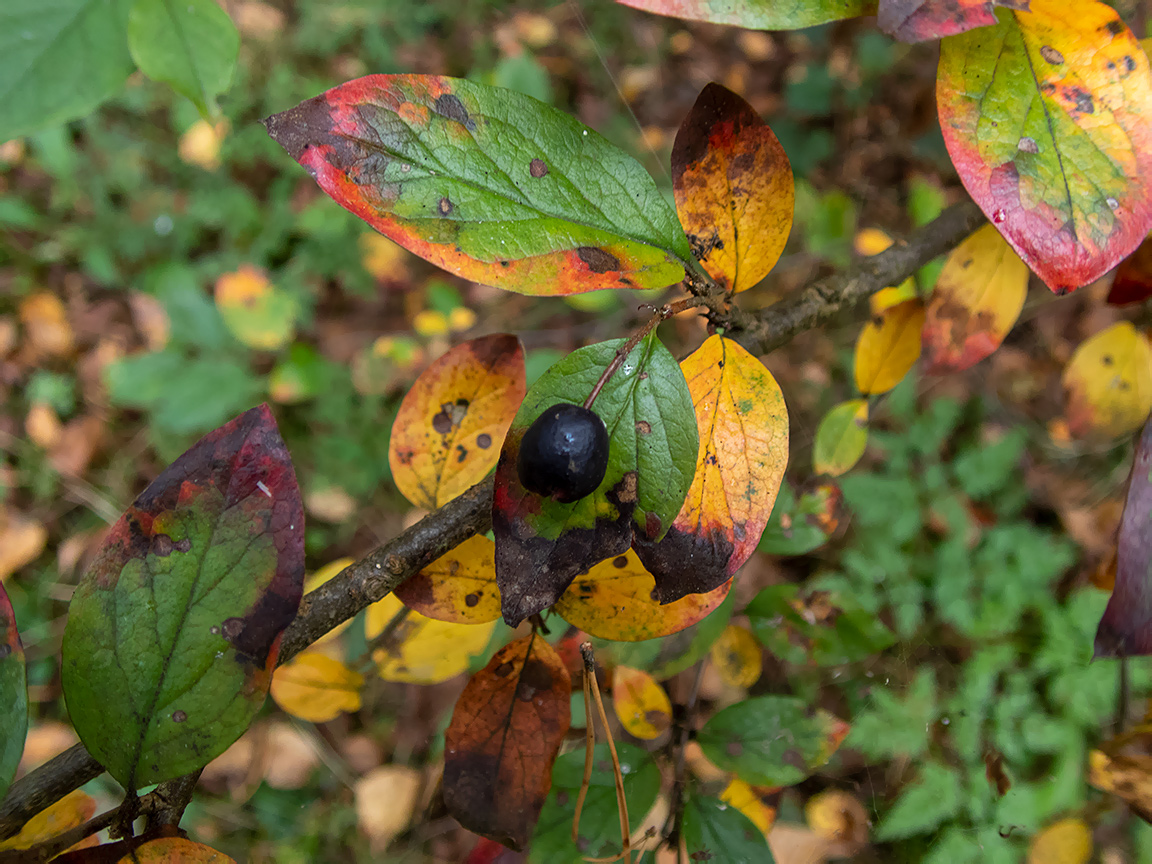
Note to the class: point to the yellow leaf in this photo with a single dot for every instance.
(429, 322)
(42, 425)
(382, 258)
(840, 817)
(888, 347)
(200, 144)
(260, 315)
(641, 704)
(737, 657)
(386, 798)
(461, 318)
(316, 688)
(459, 586)
(743, 797)
(422, 650)
(72, 810)
(1068, 841)
(46, 325)
(1108, 383)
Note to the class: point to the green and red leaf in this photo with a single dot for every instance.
(1048, 119)
(487, 183)
(541, 544)
(758, 14)
(733, 187)
(742, 423)
(13, 694)
(448, 431)
(506, 730)
(921, 20)
(174, 631)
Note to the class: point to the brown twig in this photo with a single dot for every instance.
(375, 575)
(674, 823)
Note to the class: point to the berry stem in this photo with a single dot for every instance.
(662, 313)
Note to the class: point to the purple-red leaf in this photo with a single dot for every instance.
(920, 20)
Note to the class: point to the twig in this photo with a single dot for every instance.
(374, 576)
(674, 823)
(618, 775)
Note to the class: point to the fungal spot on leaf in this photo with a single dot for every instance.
(643, 427)
(441, 422)
(537, 168)
(450, 415)
(444, 206)
(232, 628)
(625, 491)
(162, 545)
(483, 440)
(620, 562)
(1115, 27)
(734, 748)
(450, 106)
(471, 599)
(1028, 145)
(503, 670)
(5, 650)
(1082, 100)
(536, 675)
(404, 457)
(1051, 55)
(597, 259)
(461, 453)
(1129, 63)
(1106, 359)
(179, 716)
(214, 630)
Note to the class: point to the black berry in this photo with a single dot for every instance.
(564, 453)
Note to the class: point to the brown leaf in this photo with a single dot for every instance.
(504, 736)
(22, 540)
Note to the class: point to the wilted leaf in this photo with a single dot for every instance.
(748, 801)
(488, 184)
(72, 810)
(841, 438)
(316, 687)
(614, 600)
(459, 586)
(541, 544)
(888, 346)
(13, 694)
(422, 650)
(713, 831)
(743, 428)
(504, 736)
(736, 657)
(977, 298)
(175, 850)
(1132, 282)
(173, 632)
(1048, 119)
(641, 704)
(1068, 841)
(1108, 383)
(386, 798)
(733, 187)
(191, 45)
(448, 431)
(772, 740)
(820, 627)
(257, 312)
(921, 20)
(758, 14)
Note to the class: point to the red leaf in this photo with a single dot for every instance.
(1133, 280)
(920, 20)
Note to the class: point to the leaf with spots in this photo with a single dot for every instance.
(743, 427)
(733, 187)
(640, 703)
(459, 586)
(888, 346)
(487, 183)
(921, 20)
(976, 301)
(772, 740)
(713, 831)
(841, 438)
(543, 544)
(759, 14)
(736, 657)
(615, 600)
(174, 630)
(410, 648)
(1048, 119)
(1108, 383)
(447, 434)
(505, 732)
(13, 694)
(316, 687)
(1125, 629)
(1133, 280)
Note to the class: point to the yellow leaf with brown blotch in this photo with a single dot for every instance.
(737, 657)
(450, 427)
(316, 688)
(421, 650)
(976, 301)
(888, 346)
(640, 703)
(459, 586)
(1108, 383)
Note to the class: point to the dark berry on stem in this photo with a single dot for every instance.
(564, 453)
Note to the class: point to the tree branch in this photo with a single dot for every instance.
(375, 575)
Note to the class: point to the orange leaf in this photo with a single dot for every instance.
(1108, 383)
(977, 298)
(888, 347)
(743, 426)
(504, 736)
(640, 703)
(316, 688)
(614, 601)
(459, 586)
(448, 431)
(733, 187)
(175, 850)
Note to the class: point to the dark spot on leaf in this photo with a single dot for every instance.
(562, 798)
(734, 749)
(404, 457)
(503, 670)
(711, 459)
(1028, 145)
(597, 259)
(657, 718)
(1124, 385)
(643, 427)
(462, 403)
(5, 650)
(1051, 55)
(793, 757)
(444, 206)
(442, 423)
(483, 440)
(461, 453)
(620, 562)
(450, 106)
(537, 168)
(184, 545)
(162, 545)
(719, 364)
(1115, 27)
(701, 855)
(179, 716)
(1129, 63)
(625, 491)
(586, 589)
(504, 263)
(1082, 98)
(536, 674)
(703, 246)
(1106, 359)
(471, 599)
(232, 628)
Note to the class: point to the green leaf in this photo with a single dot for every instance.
(189, 44)
(795, 526)
(841, 438)
(895, 726)
(174, 631)
(845, 633)
(487, 183)
(599, 824)
(541, 545)
(923, 805)
(759, 14)
(13, 694)
(59, 60)
(771, 740)
(715, 831)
